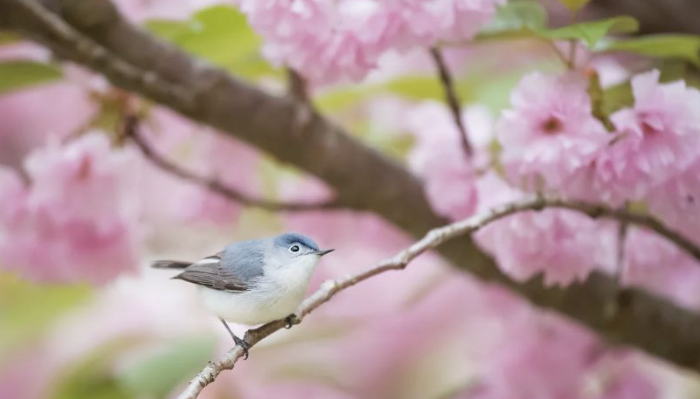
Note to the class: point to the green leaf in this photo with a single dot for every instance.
(686, 47)
(615, 98)
(157, 375)
(219, 34)
(525, 19)
(340, 98)
(598, 104)
(593, 31)
(515, 19)
(92, 376)
(417, 87)
(15, 75)
(168, 30)
(574, 5)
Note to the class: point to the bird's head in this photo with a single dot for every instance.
(294, 246)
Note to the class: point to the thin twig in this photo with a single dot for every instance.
(432, 240)
(131, 131)
(451, 98)
(564, 59)
(573, 46)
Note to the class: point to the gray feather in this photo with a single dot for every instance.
(245, 259)
(169, 264)
(235, 269)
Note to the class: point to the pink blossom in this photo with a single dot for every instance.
(494, 191)
(440, 160)
(654, 263)
(677, 202)
(628, 383)
(331, 40)
(77, 220)
(657, 139)
(562, 244)
(549, 133)
(544, 359)
(30, 115)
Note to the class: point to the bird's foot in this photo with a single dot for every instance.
(290, 321)
(243, 344)
(240, 342)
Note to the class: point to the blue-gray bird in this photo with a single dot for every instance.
(253, 282)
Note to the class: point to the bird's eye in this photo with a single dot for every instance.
(294, 248)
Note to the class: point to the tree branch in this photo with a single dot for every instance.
(131, 131)
(451, 98)
(296, 86)
(362, 178)
(432, 240)
(655, 16)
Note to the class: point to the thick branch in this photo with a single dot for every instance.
(297, 86)
(363, 179)
(655, 16)
(451, 98)
(132, 132)
(432, 240)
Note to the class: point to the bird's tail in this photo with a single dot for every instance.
(169, 264)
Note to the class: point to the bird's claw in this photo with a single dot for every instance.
(243, 344)
(290, 321)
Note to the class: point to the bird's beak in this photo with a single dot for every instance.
(324, 251)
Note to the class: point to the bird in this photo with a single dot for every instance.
(255, 281)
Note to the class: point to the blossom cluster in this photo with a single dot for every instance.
(552, 143)
(329, 40)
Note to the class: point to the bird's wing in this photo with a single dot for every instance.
(210, 273)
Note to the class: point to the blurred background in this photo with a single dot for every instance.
(83, 212)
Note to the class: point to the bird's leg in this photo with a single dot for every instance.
(238, 341)
(290, 320)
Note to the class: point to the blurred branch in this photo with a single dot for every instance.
(94, 34)
(297, 89)
(655, 16)
(432, 240)
(296, 85)
(131, 131)
(55, 31)
(451, 98)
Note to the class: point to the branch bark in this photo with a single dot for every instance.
(93, 34)
(655, 16)
(432, 240)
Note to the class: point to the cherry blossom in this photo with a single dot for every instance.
(655, 263)
(657, 139)
(677, 201)
(331, 40)
(562, 244)
(439, 159)
(550, 132)
(77, 218)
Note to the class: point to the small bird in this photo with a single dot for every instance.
(253, 282)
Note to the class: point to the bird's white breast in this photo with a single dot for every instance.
(275, 296)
